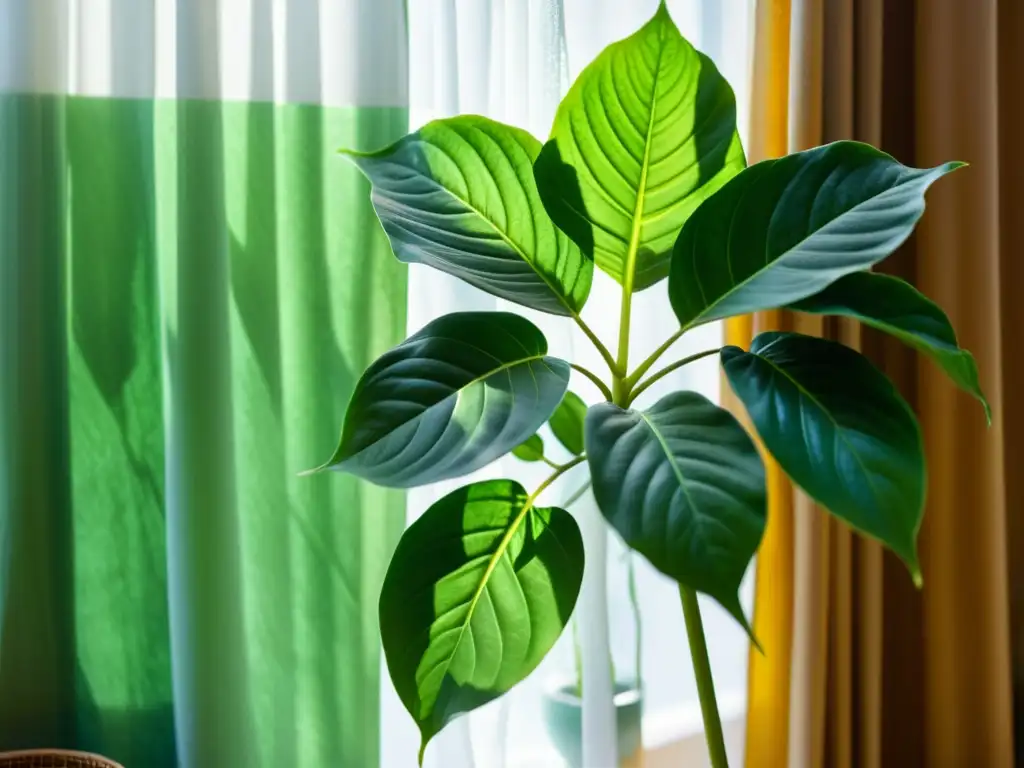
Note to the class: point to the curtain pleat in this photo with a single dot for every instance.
(767, 730)
(873, 672)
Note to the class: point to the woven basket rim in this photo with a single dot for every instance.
(59, 753)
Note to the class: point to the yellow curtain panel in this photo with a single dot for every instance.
(860, 669)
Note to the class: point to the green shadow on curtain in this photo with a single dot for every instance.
(120, 220)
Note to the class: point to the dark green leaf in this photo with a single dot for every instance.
(784, 229)
(896, 307)
(465, 390)
(646, 133)
(683, 484)
(567, 423)
(531, 449)
(477, 592)
(838, 427)
(459, 194)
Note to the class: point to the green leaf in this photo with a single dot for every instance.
(646, 133)
(567, 423)
(462, 392)
(684, 485)
(839, 429)
(784, 229)
(459, 194)
(531, 449)
(896, 307)
(477, 592)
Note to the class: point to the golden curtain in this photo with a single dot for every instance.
(861, 669)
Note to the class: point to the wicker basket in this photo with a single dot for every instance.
(54, 758)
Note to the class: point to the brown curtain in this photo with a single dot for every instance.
(860, 668)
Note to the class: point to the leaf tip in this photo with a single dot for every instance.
(915, 574)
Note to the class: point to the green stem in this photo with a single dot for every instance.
(634, 603)
(705, 683)
(561, 470)
(550, 463)
(578, 658)
(595, 379)
(635, 393)
(577, 495)
(645, 366)
(599, 345)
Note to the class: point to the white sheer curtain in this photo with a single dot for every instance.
(512, 60)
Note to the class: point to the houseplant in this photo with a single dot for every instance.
(644, 177)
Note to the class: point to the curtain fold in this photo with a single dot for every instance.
(191, 281)
(860, 668)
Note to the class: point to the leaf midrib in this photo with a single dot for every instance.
(839, 429)
(506, 239)
(477, 380)
(676, 469)
(633, 249)
(492, 564)
(700, 318)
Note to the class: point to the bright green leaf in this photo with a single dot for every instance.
(477, 592)
(684, 485)
(462, 392)
(646, 133)
(459, 194)
(531, 449)
(894, 306)
(567, 423)
(839, 428)
(784, 229)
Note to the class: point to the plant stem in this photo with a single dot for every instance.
(594, 378)
(599, 345)
(578, 657)
(645, 366)
(561, 470)
(634, 394)
(577, 495)
(705, 683)
(634, 604)
(550, 463)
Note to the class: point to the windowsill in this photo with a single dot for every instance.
(677, 737)
(672, 738)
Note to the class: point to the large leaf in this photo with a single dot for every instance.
(646, 133)
(838, 427)
(465, 390)
(784, 229)
(477, 592)
(683, 484)
(567, 423)
(459, 194)
(894, 306)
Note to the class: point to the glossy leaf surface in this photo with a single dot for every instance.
(459, 194)
(684, 485)
(839, 428)
(477, 592)
(784, 229)
(896, 307)
(647, 132)
(465, 390)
